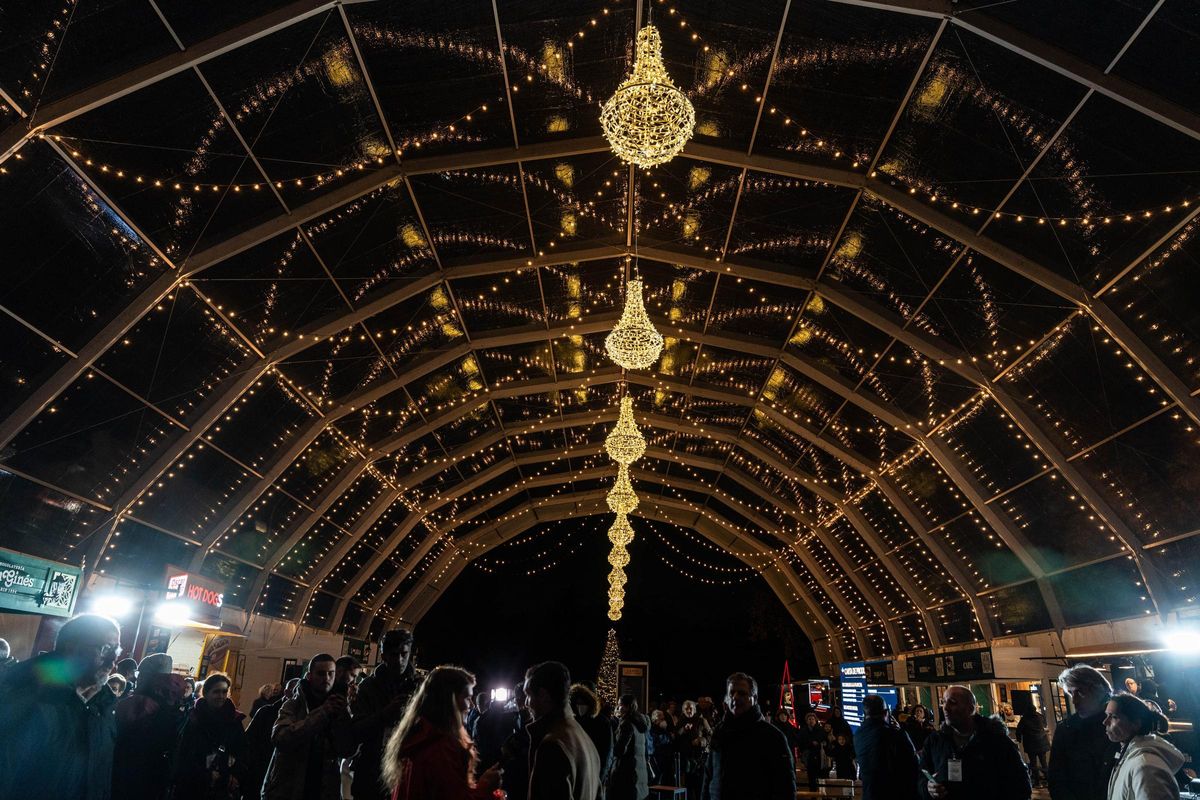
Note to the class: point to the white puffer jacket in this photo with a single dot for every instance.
(1146, 770)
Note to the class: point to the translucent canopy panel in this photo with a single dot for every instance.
(320, 312)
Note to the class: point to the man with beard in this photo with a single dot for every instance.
(749, 759)
(376, 710)
(56, 714)
(311, 735)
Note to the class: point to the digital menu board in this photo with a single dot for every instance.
(860, 679)
(854, 689)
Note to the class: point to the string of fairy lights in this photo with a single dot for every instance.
(912, 461)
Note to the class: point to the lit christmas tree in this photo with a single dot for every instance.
(606, 678)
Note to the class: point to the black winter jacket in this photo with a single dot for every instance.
(492, 730)
(376, 710)
(887, 762)
(1081, 758)
(629, 779)
(213, 741)
(992, 768)
(52, 743)
(811, 741)
(600, 731)
(1031, 733)
(749, 760)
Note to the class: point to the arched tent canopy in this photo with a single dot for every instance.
(313, 303)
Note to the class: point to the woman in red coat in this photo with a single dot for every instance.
(430, 755)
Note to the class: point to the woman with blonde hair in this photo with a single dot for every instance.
(430, 754)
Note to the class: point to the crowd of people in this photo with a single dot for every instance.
(80, 723)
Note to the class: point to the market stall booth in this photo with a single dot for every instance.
(36, 597)
(1006, 680)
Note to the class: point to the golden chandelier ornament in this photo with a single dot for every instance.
(617, 578)
(648, 119)
(625, 443)
(621, 532)
(622, 499)
(619, 557)
(614, 614)
(634, 343)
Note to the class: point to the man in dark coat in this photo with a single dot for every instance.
(887, 762)
(749, 759)
(563, 762)
(811, 740)
(514, 753)
(258, 739)
(148, 723)
(377, 709)
(492, 730)
(1081, 756)
(1031, 734)
(57, 725)
(629, 779)
(971, 757)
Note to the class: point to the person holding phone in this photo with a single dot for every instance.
(971, 757)
(312, 734)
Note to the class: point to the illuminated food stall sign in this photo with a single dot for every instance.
(202, 597)
(36, 586)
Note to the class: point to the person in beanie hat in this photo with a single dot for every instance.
(148, 722)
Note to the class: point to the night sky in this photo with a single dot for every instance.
(692, 634)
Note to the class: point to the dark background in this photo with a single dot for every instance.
(693, 634)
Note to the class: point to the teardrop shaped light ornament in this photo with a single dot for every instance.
(622, 499)
(634, 343)
(621, 532)
(619, 557)
(625, 443)
(648, 120)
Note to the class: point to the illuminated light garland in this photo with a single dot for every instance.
(634, 343)
(616, 577)
(622, 499)
(648, 119)
(621, 535)
(625, 443)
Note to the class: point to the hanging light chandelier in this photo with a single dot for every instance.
(625, 443)
(622, 499)
(648, 119)
(617, 577)
(621, 532)
(634, 343)
(619, 557)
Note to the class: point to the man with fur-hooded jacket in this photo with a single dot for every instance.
(971, 757)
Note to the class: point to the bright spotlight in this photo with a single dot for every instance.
(1183, 641)
(172, 614)
(500, 695)
(111, 605)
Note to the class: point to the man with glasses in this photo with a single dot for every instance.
(57, 725)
